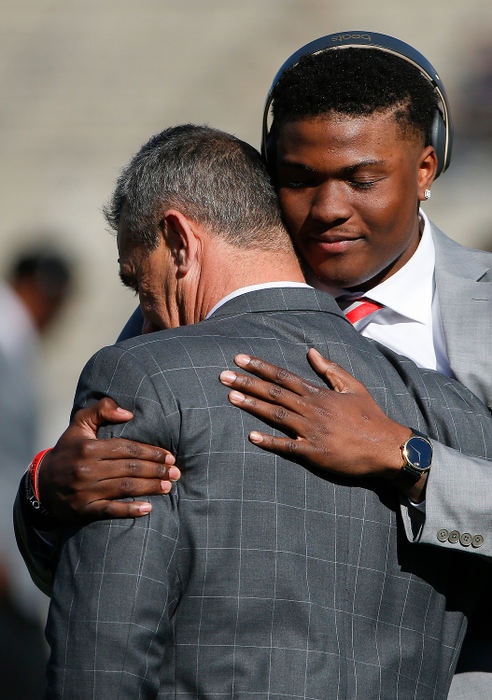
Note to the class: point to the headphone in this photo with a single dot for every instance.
(441, 136)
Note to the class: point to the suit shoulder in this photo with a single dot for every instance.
(445, 244)
(457, 259)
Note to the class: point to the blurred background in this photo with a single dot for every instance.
(84, 83)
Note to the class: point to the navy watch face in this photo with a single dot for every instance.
(418, 453)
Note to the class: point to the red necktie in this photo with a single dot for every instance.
(358, 308)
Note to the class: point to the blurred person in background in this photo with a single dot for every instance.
(35, 288)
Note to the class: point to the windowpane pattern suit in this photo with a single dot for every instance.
(256, 578)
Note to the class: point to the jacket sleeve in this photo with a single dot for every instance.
(457, 512)
(38, 544)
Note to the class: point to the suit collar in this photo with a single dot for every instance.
(253, 288)
(280, 299)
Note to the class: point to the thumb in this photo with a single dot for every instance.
(336, 376)
(104, 411)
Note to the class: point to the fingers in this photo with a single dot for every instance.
(104, 411)
(279, 445)
(302, 451)
(278, 375)
(129, 470)
(340, 380)
(128, 487)
(259, 388)
(274, 414)
(100, 500)
(107, 510)
(122, 449)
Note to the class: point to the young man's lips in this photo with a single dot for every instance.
(336, 244)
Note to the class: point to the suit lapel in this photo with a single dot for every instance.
(466, 312)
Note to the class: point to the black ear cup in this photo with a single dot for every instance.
(438, 140)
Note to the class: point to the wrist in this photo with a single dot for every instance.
(394, 459)
(34, 511)
(416, 455)
(416, 492)
(34, 470)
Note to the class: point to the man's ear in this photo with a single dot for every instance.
(182, 237)
(426, 171)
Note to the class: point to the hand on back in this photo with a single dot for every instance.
(340, 428)
(82, 478)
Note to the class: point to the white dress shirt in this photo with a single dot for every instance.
(252, 288)
(410, 322)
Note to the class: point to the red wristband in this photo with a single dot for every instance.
(33, 470)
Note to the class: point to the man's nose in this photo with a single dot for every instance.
(331, 203)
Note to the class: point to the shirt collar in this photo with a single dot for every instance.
(252, 288)
(410, 290)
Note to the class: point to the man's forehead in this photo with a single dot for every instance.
(339, 120)
(380, 127)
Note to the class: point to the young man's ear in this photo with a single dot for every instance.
(181, 236)
(427, 172)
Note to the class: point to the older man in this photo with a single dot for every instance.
(232, 584)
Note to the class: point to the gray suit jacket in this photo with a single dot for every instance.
(257, 578)
(464, 284)
(459, 489)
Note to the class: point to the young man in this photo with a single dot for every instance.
(290, 584)
(352, 159)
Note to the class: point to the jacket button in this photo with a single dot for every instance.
(442, 535)
(466, 539)
(453, 536)
(477, 541)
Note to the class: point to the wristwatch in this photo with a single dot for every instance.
(417, 456)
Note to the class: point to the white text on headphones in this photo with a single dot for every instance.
(344, 37)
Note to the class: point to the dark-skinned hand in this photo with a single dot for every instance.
(81, 478)
(341, 428)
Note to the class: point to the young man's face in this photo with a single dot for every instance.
(349, 190)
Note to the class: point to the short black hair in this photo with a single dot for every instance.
(212, 177)
(356, 82)
(50, 270)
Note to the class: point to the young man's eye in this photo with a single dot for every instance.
(362, 184)
(295, 184)
(293, 179)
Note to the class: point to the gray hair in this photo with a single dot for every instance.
(211, 177)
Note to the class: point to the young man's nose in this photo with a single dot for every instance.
(331, 202)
